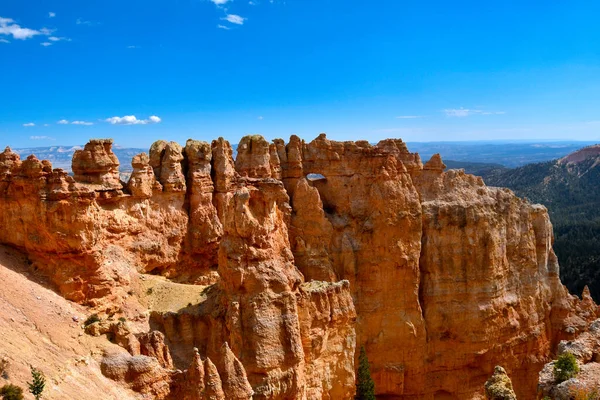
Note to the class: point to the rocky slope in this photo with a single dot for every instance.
(303, 252)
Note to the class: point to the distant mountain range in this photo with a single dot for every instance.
(508, 154)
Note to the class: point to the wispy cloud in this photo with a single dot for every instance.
(45, 44)
(260, 118)
(41, 138)
(409, 116)
(82, 123)
(51, 14)
(28, 124)
(223, 27)
(80, 21)
(219, 2)
(465, 112)
(4, 40)
(58, 39)
(132, 120)
(234, 19)
(63, 122)
(133, 47)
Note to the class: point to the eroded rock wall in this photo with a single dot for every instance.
(312, 250)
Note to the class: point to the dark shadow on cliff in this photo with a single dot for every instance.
(18, 261)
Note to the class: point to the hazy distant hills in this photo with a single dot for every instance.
(467, 155)
(508, 154)
(61, 156)
(570, 188)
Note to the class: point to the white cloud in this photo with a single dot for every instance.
(133, 47)
(82, 123)
(234, 19)
(51, 14)
(29, 124)
(46, 44)
(223, 27)
(41, 138)
(132, 120)
(465, 112)
(8, 27)
(58, 39)
(409, 116)
(219, 2)
(260, 118)
(252, 3)
(63, 122)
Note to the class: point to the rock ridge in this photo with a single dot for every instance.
(440, 277)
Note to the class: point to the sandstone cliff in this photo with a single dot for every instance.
(303, 252)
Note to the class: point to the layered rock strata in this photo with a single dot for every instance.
(312, 250)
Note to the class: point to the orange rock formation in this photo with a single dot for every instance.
(311, 250)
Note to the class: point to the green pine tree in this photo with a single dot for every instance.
(365, 387)
(36, 387)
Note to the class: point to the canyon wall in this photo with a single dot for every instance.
(311, 250)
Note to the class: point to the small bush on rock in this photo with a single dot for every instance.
(11, 392)
(91, 319)
(565, 367)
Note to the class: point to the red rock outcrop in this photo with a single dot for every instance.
(97, 164)
(312, 250)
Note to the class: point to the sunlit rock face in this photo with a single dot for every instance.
(311, 250)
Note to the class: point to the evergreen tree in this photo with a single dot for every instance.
(11, 392)
(365, 387)
(37, 386)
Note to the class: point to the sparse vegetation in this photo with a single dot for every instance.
(122, 319)
(365, 387)
(11, 392)
(92, 319)
(4, 368)
(38, 383)
(585, 393)
(565, 367)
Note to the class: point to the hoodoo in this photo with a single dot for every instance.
(239, 279)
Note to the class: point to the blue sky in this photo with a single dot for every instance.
(71, 70)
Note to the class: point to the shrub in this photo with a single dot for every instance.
(565, 367)
(122, 319)
(92, 319)
(11, 392)
(365, 387)
(36, 387)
